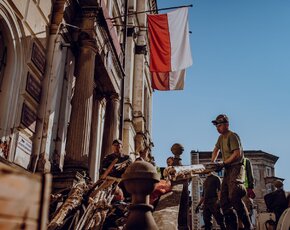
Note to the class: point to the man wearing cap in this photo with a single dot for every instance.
(210, 200)
(123, 160)
(276, 201)
(233, 188)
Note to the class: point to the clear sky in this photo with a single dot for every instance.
(241, 67)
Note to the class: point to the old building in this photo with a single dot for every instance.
(264, 174)
(74, 76)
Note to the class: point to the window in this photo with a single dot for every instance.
(268, 172)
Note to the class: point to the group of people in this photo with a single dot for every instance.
(232, 188)
(230, 201)
(211, 196)
(120, 165)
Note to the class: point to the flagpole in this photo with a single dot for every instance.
(147, 11)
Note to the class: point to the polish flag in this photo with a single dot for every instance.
(170, 51)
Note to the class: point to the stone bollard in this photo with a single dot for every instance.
(139, 180)
(183, 214)
(177, 149)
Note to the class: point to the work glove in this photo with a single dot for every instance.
(251, 194)
(219, 166)
(197, 209)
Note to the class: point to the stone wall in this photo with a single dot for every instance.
(166, 212)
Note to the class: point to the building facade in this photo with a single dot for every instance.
(263, 164)
(74, 75)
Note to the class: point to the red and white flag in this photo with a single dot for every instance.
(170, 51)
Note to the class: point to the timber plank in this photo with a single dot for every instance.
(17, 223)
(15, 185)
(24, 199)
(19, 209)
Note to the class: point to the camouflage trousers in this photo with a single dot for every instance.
(232, 191)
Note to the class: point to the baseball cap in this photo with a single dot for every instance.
(221, 119)
(117, 141)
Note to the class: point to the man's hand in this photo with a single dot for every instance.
(122, 165)
(251, 194)
(220, 165)
(197, 209)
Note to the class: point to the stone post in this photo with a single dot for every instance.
(139, 180)
(177, 150)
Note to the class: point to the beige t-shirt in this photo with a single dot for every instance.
(228, 143)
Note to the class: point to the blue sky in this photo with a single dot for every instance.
(241, 67)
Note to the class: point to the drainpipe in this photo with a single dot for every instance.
(123, 79)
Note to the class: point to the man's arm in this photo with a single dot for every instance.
(234, 157)
(214, 154)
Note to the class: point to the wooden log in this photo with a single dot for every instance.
(96, 193)
(176, 173)
(99, 204)
(73, 201)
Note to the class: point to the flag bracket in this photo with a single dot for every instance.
(142, 27)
